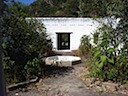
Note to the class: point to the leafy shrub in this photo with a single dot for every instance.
(24, 45)
(109, 57)
(33, 68)
(85, 46)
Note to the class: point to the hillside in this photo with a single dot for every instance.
(68, 8)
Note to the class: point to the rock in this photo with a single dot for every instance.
(16, 94)
(111, 87)
(91, 86)
(124, 87)
(88, 82)
(99, 89)
(24, 90)
(80, 86)
(97, 83)
(93, 80)
(41, 80)
(97, 79)
(83, 79)
(102, 80)
(103, 88)
(37, 84)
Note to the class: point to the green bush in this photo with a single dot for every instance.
(85, 46)
(110, 63)
(33, 68)
(109, 54)
(24, 44)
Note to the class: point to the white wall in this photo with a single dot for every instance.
(78, 27)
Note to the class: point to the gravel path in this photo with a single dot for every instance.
(60, 82)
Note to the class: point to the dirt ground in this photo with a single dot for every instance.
(60, 82)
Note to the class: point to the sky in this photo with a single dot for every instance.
(27, 2)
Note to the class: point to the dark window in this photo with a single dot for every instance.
(63, 41)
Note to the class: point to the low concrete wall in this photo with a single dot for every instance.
(68, 61)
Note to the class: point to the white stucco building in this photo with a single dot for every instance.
(67, 32)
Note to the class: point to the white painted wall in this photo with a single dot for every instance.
(78, 27)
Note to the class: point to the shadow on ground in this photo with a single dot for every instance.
(52, 71)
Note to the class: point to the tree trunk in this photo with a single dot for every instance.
(2, 77)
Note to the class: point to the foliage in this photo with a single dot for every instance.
(24, 44)
(19, 8)
(109, 55)
(96, 37)
(109, 59)
(85, 46)
(69, 8)
(33, 68)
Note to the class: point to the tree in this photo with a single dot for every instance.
(69, 8)
(39, 7)
(19, 8)
(24, 43)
